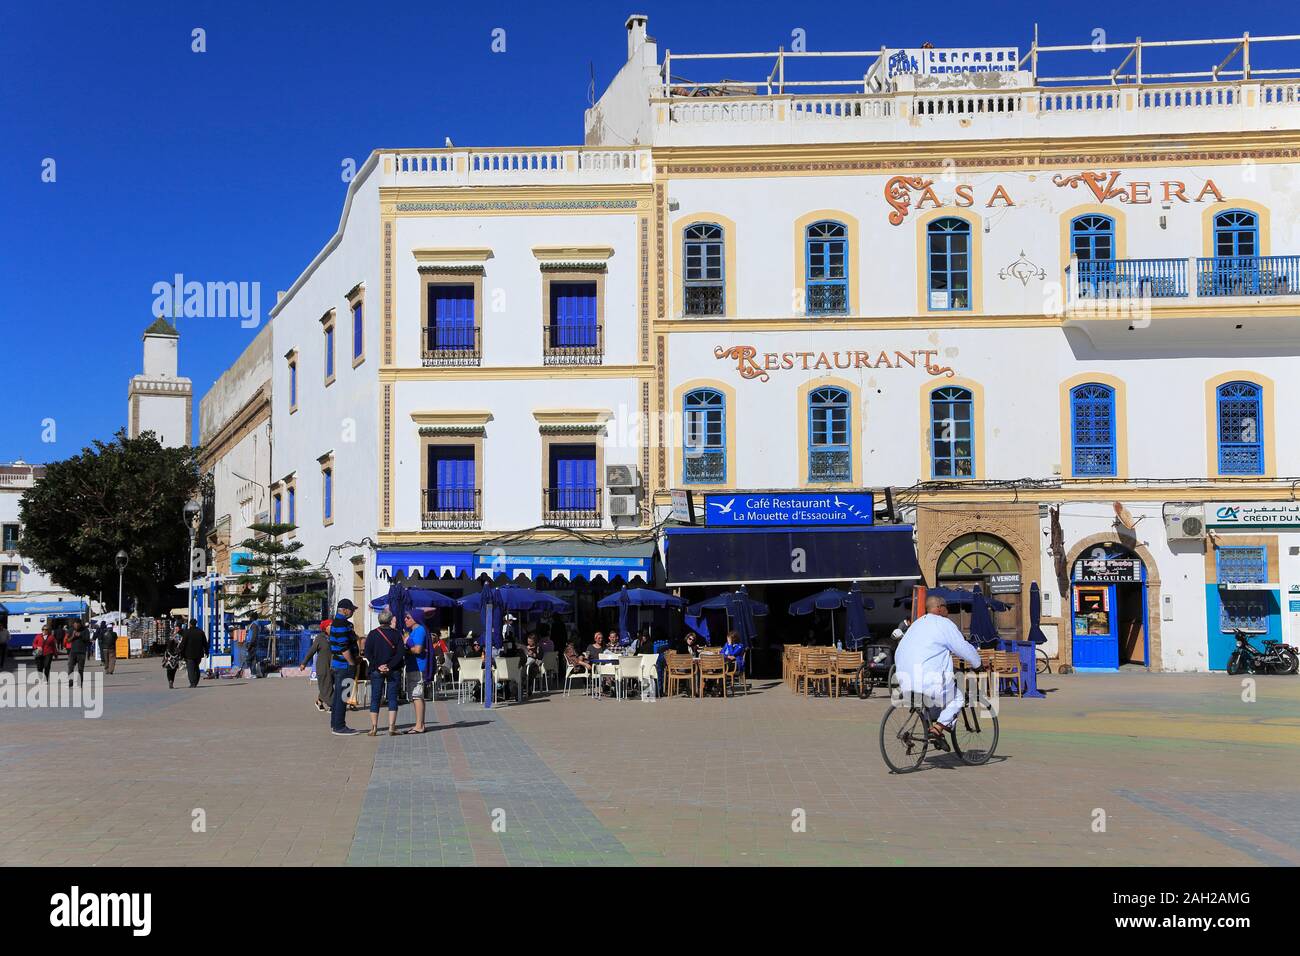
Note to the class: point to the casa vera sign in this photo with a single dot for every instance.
(751, 363)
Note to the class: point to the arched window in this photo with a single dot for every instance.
(830, 449)
(1092, 430)
(704, 437)
(1236, 234)
(952, 433)
(948, 248)
(828, 268)
(704, 290)
(1241, 429)
(1092, 238)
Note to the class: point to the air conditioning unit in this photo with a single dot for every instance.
(622, 506)
(1184, 522)
(621, 476)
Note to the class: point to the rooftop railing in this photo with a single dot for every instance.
(482, 167)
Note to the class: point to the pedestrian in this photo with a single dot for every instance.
(417, 666)
(172, 656)
(194, 644)
(4, 642)
(108, 647)
(320, 652)
(343, 661)
(385, 652)
(45, 647)
(78, 646)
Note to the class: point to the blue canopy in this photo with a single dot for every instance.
(982, 631)
(401, 599)
(854, 602)
(1036, 615)
(511, 597)
(740, 608)
(636, 597)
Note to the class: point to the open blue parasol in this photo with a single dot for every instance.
(636, 597)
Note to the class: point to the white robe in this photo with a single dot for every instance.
(923, 662)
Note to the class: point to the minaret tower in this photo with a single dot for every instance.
(159, 400)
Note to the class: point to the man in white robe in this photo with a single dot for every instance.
(923, 662)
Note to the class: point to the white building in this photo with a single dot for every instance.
(159, 400)
(1056, 321)
(27, 595)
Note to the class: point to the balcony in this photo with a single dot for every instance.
(571, 507)
(569, 344)
(1129, 278)
(1248, 275)
(452, 508)
(704, 466)
(452, 345)
(703, 299)
(830, 465)
(828, 298)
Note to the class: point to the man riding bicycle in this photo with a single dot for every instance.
(923, 663)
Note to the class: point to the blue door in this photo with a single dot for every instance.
(1095, 628)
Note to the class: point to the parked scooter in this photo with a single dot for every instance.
(1276, 658)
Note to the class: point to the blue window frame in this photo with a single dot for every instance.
(293, 384)
(1241, 428)
(10, 537)
(329, 351)
(9, 582)
(292, 495)
(827, 251)
(1236, 234)
(1247, 610)
(573, 315)
(277, 509)
(704, 437)
(358, 331)
(948, 249)
(704, 279)
(1092, 244)
(327, 491)
(830, 449)
(451, 318)
(573, 478)
(952, 433)
(1092, 430)
(451, 478)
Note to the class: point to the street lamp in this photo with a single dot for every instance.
(192, 510)
(121, 561)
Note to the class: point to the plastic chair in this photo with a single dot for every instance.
(571, 674)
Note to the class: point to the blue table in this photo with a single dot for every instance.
(1028, 664)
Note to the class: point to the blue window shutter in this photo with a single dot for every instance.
(358, 331)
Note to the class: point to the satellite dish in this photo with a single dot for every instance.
(1123, 516)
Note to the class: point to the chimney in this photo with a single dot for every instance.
(635, 33)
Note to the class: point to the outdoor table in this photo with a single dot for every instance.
(1028, 664)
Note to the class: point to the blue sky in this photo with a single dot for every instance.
(226, 165)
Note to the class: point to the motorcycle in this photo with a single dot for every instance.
(1276, 658)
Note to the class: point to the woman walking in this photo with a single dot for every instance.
(172, 656)
(45, 647)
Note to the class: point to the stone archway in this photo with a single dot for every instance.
(1065, 632)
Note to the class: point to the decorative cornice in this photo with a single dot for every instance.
(450, 270)
(464, 431)
(573, 252)
(451, 255)
(355, 291)
(328, 317)
(572, 416)
(450, 417)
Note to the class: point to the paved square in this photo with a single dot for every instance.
(1184, 771)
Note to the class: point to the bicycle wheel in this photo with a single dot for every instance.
(904, 738)
(1043, 664)
(975, 736)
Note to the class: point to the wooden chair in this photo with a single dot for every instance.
(1007, 664)
(847, 668)
(678, 668)
(713, 667)
(816, 668)
(798, 656)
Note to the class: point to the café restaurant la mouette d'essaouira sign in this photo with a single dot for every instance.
(789, 509)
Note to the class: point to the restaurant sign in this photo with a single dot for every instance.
(1245, 514)
(1108, 571)
(773, 509)
(750, 363)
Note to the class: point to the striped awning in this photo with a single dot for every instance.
(425, 564)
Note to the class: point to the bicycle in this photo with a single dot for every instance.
(905, 733)
(1043, 664)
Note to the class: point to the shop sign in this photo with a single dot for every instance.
(683, 507)
(1245, 514)
(1106, 186)
(898, 194)
(750, 363)
(1113, 571)
(774, 509)
(1004, 583)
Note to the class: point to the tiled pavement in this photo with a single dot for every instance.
(1183, 771)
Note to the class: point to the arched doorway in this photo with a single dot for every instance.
(1108, 608)
(983, 559)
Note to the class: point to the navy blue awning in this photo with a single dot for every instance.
(424, 564)
(796, 556)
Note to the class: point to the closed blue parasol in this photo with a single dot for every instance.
(855, 603)
(1036, 615)
(636, 597)
(982, 631)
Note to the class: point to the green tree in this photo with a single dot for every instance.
(274, 567)
(127, 495)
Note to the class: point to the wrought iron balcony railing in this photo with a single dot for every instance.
(452, 508)
(827, 299)
(451, 345)
(568, 344)
(703, 300)
(704, 466)
(571, 507)
(830, 466)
